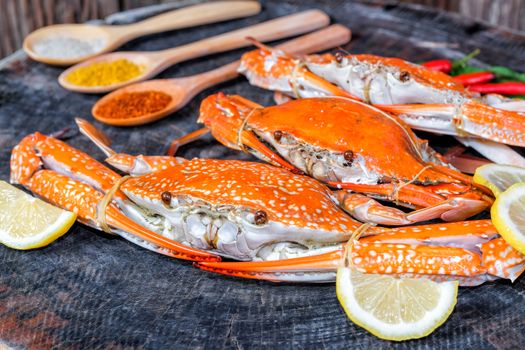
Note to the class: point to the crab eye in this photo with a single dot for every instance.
(260, 217)
(404, 76)
(339, 56)
(166, 198)
(278, 135)
(348, 156)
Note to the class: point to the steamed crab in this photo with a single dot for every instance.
(248, 211)
(424, 99)
(349, 145)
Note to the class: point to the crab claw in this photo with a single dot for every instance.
(226, 117)
(464, 251)
(366, 209)
(24, 161)
(316, 269)
(81, 198)
(37, 150)
(502, 260)
(75, 181)
(133, 165)
(434, 262)
(274, 69)
(470, 117)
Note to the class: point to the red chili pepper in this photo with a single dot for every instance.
(507, 88)
(474, 78)
(439, 65)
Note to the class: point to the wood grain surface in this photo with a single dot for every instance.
(20, 17)
(91, 291)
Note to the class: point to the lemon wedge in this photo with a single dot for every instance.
(394, 308)
(499, 177)
(508, 216)
(27, 222)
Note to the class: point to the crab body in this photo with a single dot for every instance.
(241, 210)
(348, 145)
(237, 209)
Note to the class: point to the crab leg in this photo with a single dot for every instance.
(502, 102)
(440, 251)
(133, 165)
(366, 209)
(184, 140)
(75, 182)
(496, 152)
(472, 118)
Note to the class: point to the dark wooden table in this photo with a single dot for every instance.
(90, 291)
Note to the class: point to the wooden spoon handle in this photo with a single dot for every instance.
(279, 28)
(211, 12)
(324, 39)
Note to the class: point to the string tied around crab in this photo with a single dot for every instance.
(243, 128)
(101, 218)
(294, 78)
(395, 192)
(354, 238)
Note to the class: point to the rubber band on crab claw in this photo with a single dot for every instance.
(470, 252)
(53, 181)
(471, 118)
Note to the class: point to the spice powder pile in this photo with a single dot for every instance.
(133, 104)
(64, 47)
(105, 73)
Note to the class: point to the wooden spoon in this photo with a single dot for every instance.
(182, 90)
(112, 37)
(156, 61)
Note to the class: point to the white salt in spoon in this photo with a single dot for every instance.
(85, 41)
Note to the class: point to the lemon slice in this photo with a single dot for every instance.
(27, 222)
(395, 308)
(508, 216)
(499, 177)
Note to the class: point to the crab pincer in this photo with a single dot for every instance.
(470, 252)
(73, 180)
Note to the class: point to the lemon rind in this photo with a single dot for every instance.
(481, 176)
(500, 217)
(62, 224)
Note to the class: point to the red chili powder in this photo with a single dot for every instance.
(133, 104)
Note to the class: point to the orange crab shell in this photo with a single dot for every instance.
(290, 199)
(27, 156)
(331, 124)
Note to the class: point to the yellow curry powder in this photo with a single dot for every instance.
(105, 73)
